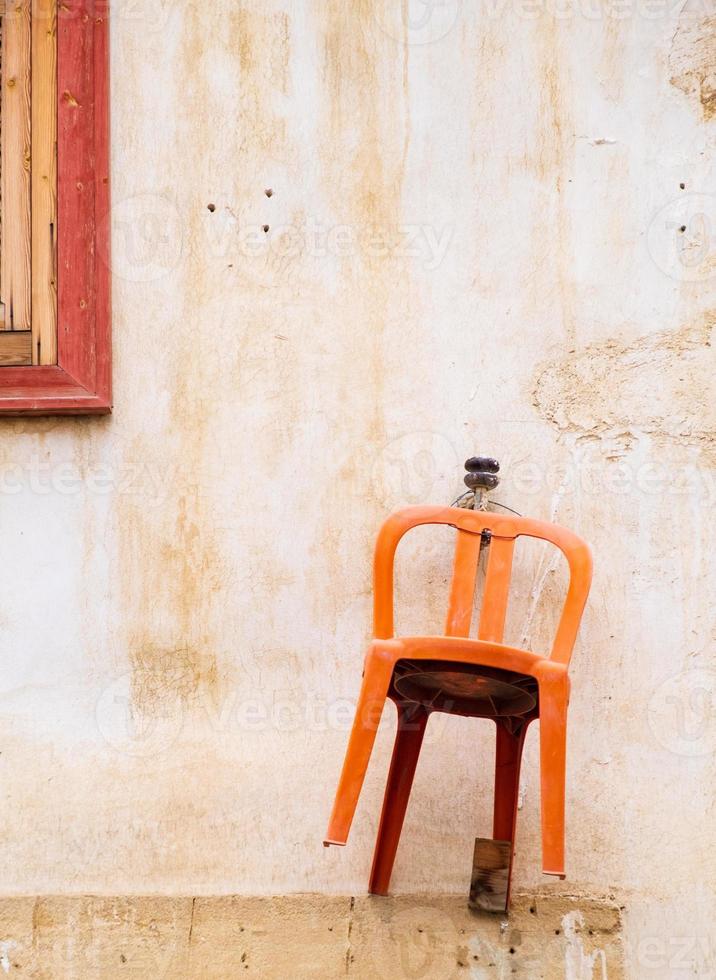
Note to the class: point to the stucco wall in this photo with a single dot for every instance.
(473, 244)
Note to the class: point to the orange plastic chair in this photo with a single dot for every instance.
(476, 677)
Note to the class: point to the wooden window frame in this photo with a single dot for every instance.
(80, 383)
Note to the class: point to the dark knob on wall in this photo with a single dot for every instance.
(481, 473)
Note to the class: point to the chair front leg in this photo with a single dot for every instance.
(412, 722)
(554, 699)
(374, 690)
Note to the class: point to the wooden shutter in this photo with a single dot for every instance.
(28, 175)
(54, 207)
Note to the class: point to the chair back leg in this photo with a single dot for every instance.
(508, 760)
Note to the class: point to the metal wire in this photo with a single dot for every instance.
(505, 507)
(461, 497)
(492, 503)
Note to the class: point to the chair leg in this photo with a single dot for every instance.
(553, 758)
(374, 690)
(508, 760)
(412, 721)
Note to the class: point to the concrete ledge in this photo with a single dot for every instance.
(294, 937)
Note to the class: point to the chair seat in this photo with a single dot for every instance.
(464, 688)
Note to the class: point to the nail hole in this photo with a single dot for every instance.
(682, 186)
(682, 229)
(211, 207)
(266, 228)
(268, 192)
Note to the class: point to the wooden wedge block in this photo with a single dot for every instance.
(490, 881)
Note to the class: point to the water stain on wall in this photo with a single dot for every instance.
(169, 572)
(171, 567)
(553, 164)
(264, 44)
(611, 65)
(362, 159)
(659, 384)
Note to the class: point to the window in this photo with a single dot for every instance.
(54, 203)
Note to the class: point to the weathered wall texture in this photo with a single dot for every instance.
(489, 228)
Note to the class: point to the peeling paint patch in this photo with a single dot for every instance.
(659, 385)
(599, 140)
(578, 964)
(5, 947)
(692, 60)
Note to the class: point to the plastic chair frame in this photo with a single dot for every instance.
(488, 650)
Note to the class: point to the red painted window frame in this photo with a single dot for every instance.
(81, 382)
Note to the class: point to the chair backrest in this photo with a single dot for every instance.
(504, 530)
